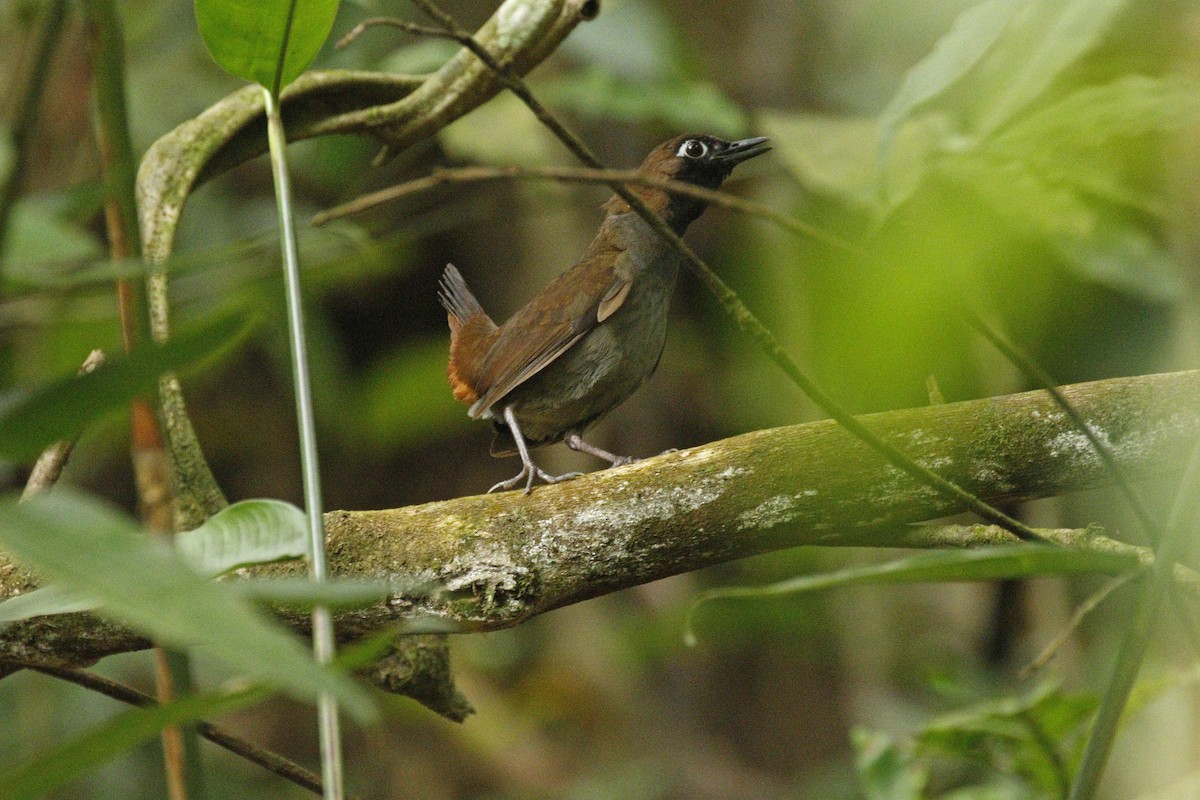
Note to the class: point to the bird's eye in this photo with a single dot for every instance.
(692, 148)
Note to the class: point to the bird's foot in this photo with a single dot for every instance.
(528, 474)
(576, 442)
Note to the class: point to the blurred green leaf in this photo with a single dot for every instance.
(42, 774)
(826, 154)
(635, 41)
(248, 532)
(973, 34)
(885, 771)
(525, 141)
(1029, 736)
(43, 246)
(332, 253)
(61, 409)
(835, 155)
(43, 602)
(985, 563)
(1046, 38)
(1078, 140)
(1100, 245)
(87, 547)
(268, 42)
(420, 57)
(678, 104)
(406, 399)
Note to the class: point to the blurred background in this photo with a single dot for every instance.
(1051, 186)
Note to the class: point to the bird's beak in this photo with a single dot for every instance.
(744, 149)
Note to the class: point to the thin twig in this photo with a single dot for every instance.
(1081, 611)
(1032, 370)
(49, 466)
(733, 306)
(267, 759)
(443, 176)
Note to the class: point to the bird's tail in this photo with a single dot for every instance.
(471, 331)
(456, 297)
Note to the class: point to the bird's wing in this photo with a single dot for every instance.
(551, 324)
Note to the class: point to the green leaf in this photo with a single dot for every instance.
(61, 409)
(989, 563)
(834, 155)
(973, 34)
(885, 771)
(636, 41)
(43, 245)
(1083, 139)
(248, 532)
(89, 548)
(42, 774)
(1043, 41)
(405, 398)
(269, 42)
(675, 103)
(1094, 240)
(44, 602)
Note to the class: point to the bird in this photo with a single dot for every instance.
(595, 333)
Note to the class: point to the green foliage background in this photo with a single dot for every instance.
(1033, 159)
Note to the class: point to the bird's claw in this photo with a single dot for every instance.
(528, 474)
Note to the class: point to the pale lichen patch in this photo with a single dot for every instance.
(769, 513)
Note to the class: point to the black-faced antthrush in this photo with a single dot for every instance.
(596, 332)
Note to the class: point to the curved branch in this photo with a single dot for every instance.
(396, 109)
(504, 558)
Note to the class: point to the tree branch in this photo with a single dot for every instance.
(507, 557)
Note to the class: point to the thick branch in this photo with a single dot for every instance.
(504, 558)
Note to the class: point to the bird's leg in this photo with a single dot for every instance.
(574, 441)
(529, 470)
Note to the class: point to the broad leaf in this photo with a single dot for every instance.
(61, 409)
(675, 104)
(1037, 48)
(269, 42)
(44, 602)
(970, 38)
(249, 532)
(42, 774)
(87, 547)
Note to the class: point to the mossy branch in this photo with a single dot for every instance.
(504, 558)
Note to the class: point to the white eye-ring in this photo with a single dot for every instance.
(692, 148)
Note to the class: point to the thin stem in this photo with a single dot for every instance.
(1081, 611)
(443, 176)
(323, 639)
(733, 306)
(25, 118)
(181, 747)
(1032, 370)
(268, 760)
(1185, 514)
